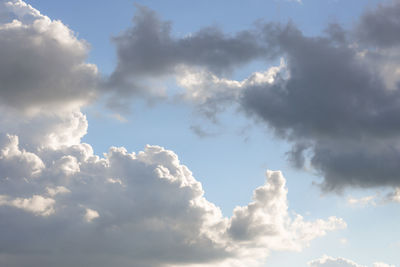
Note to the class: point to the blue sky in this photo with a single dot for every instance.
(349, 167)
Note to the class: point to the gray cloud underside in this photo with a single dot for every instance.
(336, 99)
(336, 104)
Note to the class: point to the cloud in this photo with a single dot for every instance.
(380, 26)
(333, 104)
(326, 261)
(393, 196)
(333, 97)
(144, 207)
(364, 201)
(149, 49)
(390, 196)
(38, 205)
(90, 215)
(42, 62)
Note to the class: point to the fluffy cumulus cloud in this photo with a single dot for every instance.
(68, 205)
(335, 97)
(42, 63)
(327, 261)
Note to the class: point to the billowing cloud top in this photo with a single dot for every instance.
(145, 207)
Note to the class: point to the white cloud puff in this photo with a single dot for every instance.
(90, 215)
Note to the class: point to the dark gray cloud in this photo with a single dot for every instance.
(334, 98)
(334, 105)
(381, 26)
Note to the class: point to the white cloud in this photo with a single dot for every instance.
(364, 201)
(266, 219)
(326, 261)
(37, 204)
(90, 215)
(389, 196)
(42, 62)
(52, 191)
(211, 94)
(159, 212)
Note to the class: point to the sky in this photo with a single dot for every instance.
(200, 133)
